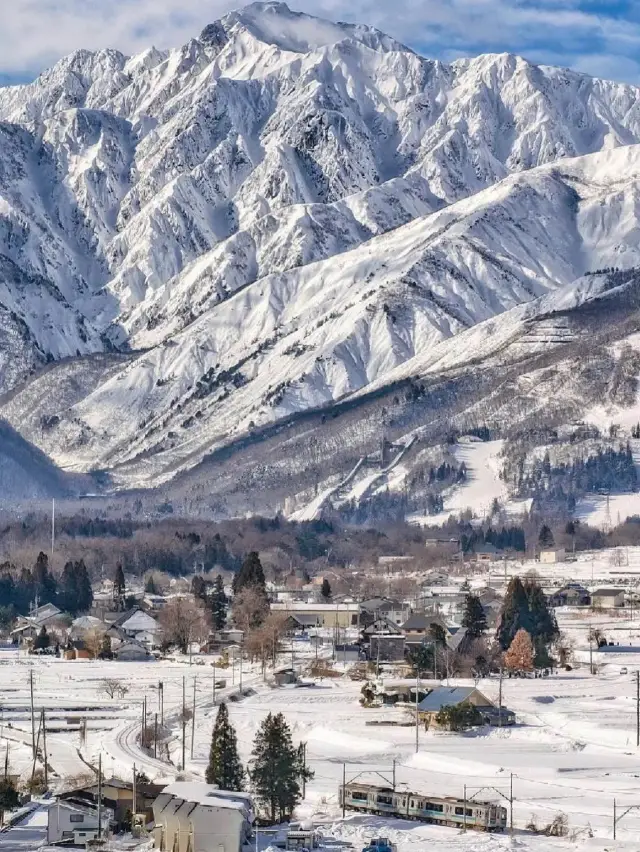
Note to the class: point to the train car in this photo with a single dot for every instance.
(403, 804)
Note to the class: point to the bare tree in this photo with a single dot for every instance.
(93, 640)
(250, 607)
(111, 686)
(184, 621)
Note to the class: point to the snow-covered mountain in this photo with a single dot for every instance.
(280, 214)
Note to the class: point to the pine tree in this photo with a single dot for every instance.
(219, 603)
(277, 769)
(119, 586)
(9, 798)
(199, 587)
(44, 582)
(42, 640)
(325, 589)
(515, 613)
(545, 538)
(84, 592)
(224, 769)
(150, 585)
(519, 657)
(474, 618)
(251, 573)
(542, 621)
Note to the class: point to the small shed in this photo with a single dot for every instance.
(132, 652)
(551, 556)
(607, 598)
(285, 676)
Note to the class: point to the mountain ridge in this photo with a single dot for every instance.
(277, 215)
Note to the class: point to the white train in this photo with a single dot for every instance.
(368, 798)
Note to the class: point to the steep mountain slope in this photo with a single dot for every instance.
(277, 215)
(307, 337)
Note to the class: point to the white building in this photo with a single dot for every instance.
(340, 614)
(192, 816)
(549, 557)
(74, 821)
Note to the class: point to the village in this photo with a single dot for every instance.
(393, 701)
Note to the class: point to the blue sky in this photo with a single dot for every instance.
(598, 38)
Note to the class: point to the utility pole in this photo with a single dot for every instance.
(417, 714)
(100, 795)
(394, 774)
(214, 684)
(638, 708)
(344, 790)
(614, 819)
(464, 810)
(33, 718)
(184, 723)
(161, 697)
(241, 653)
(53, 526)
(511, 805)
(134, 803)
(193, 716)
(500, 696)
(44, 746)
(6, 762)
(155, 736)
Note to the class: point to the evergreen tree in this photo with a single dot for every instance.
(84, 592)
(119, 586)
(9, 798)
(515, 613)
(219, 603)
(545, 538)
(224, 769)
(277, 769)
(437, 634)
(325, 589)
(542, 621)
(199, 587)
(474, 618)
(251, 573)
(75, 593)
(42, 640)
(44, 583)
(150, 585)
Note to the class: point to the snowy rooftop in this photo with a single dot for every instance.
(207, 794)
(296, 606)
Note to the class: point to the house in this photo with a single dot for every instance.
(191, 815)
(450, 696)
(330, 615)
(573, 594)
(346, 653)
(80, 626)
(137, 624)
(131, 651)
(607, 598)
(75, 821)
(551, 556)
(220, 640)
(417, 628)
(117, 795)
(485, 553)
(28, 626)
(386, 649)
(403, 691)
(374, 608)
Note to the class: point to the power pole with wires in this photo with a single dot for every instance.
(184, 723)
(33, 718)
(193, 716)
(44, 747)
(100, 795)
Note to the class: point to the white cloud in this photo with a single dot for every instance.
(35, 33)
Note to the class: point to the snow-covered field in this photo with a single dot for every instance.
(573, 751)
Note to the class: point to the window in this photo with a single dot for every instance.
(460, 812)
(76, 818)
(358, 796)
(354, 620)
(385, 800)
(432, 806)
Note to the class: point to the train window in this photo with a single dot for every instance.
(358, 796)
(412, 804)
(461, 812)
(385, 800)
(469, 812)
(432, 806)
(404, 803)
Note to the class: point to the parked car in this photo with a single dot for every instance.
(624, 670)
